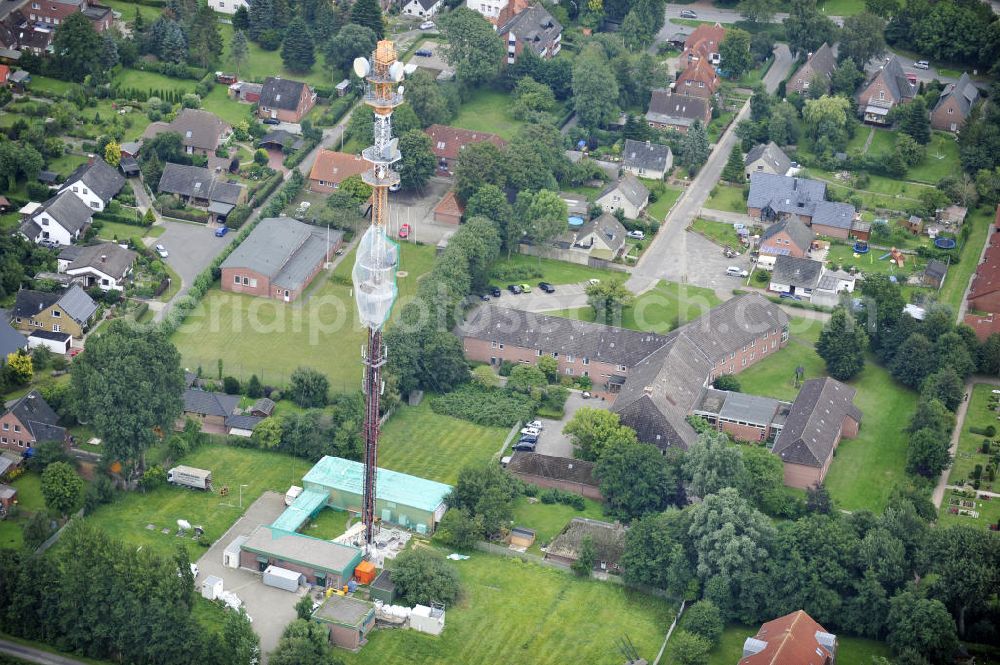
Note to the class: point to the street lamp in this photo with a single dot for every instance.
(241, 495)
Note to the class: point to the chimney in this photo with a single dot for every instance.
(648, 390)
(104, 258)
(90, 160)
(648, 143)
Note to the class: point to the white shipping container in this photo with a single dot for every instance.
(282, 578)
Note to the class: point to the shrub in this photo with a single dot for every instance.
(989, 430)
(423, 576)
(494, 408)
(231, 385)
(516, 273)
(727, 382)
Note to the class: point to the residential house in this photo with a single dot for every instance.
(608, 540)
(106, 265)
(28, 421)
(817, 70)
(201, 131)
(602, 237)
(533, 28)
(702, 45)
(628, 194)
(62, 219)
(95, 183)
(984, 325)
(279, 258)
(227, 6)
(823, 412)
(449, 209)
(199, 187)
(421, 8)
(211, 409)
(497, 12)
(281, 140)
(562, 473)
(776, 196)
(246, 92)
(889, 87)
(30, 25)
(447, 143)
(934, 273)
(787, 237)
(767, 158)
(647, 159)
(794, 639)
(832, 285)
(11, 341)
(332, 168)
(669, 111)
(984, 296)
(797, 276)
(833, 219)
(285, 100)
(697, 80)
(67, 312)
(954, 105)
(744, 417)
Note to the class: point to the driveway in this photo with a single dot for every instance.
(271, 609)
(553, 441)
(417, 210)
(434, 63)
(567, 296)
(192, 248)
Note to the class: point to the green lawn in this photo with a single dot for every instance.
(850, 650)
(556, 272)
(46, 84)
(864, 469)
(149, 14)
(666, 198)
(488, 111)
(29, 492)
(328, 524)
(422, 443)
(727, 197)
(959, 275)
(65, 164)
(988, 509)
(883, 142)
(980, 414)
(221, 104)
(942, 159)
(718, 125)
(872, 262)
(10, 534)
(260, 64)
(119, 231)
(841, 8)
(721, 233)
(659, 310)
(152, 81)
(548, 520)
(271, 338)
(512, 612)
(256, 470)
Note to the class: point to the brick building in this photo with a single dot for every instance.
(817, 69)
(886, 89)
(28, 421)
(331, 168)
(984, 296)
(794, 639)
(746, 417)
(698, 80)
(562, 473)
(954, 105)
(675, 111)
(703, 45)
(447, 143)
(788, 237)
(533, 28)
(324, 563)
(285, 100)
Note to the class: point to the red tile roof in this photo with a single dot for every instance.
(335, 167)
(447, 142)
(984, 324)
(987, 279)
(704, 40)
(4, 73)
(449, 205)
(698, 71)
(791, 640)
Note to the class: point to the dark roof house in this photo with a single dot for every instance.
(800, 273)
(555, 468)
(818, 67)
(768, 158)
(678, 111)
(279, 93)
(535, 28)
(206, 403)
(35, 413)
(199, 183)
(646, 157)
(955, 104)
(74, 301)
(778, 194)
(798, 233)
(11, 341)
(813, 427)
(200, 130)
(99, 176)
(608, 540)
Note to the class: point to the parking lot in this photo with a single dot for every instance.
(192, 247)
(435, 63)
(271, 609)
(553, 441)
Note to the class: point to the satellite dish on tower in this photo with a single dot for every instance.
(391, 148)
(396, 71)
(361, 67)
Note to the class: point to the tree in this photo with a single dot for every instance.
(735, 53)
(637, 480)
(932, 415)
(883, 8)
(757, 11)
(36, 530)
(369, 14)
(689, 648)
(914, 120)
(586, 557)
(806, 28)
(239, 49)
(826, 114)
(74, 45)
(946, 386)
(963, 561)
(704, 618)
(862, 38)
(695, 147)
(267, 433)
(989, 357)
(473, 48)
(253, 388)
(204, 40)
(549, 366)
(733, 171)
(951, 351)
(429, 99)
(922, 624)
(484, 377)
(241, 19)
(424, 576)
(842, 345)
(304, 608)
(531, 98)
(298, 53)
(928, 453)
(19, 368)
(479, 164)
(490, 202)
(304, 642)
(308, 387)
(61, 487)
(712, 463)
(485, 492)
(595, 88)
(846, 78)
(908, 151)
(123, 367)
(241, 644)
(594, 431)
(261, 15)
(353, 41)
(818, 499)
(608, 298)
(113, 153)
(767, 489)
(460, 529)
(547, 215)
(914, 361)
(418, 162)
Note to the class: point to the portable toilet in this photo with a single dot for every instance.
(365, 572)
(211, 588)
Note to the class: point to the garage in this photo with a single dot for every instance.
(57, 342)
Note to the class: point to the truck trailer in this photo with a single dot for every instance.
(188, 476)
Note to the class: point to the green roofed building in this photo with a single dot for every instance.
(323, 562)
(348, 618)
(411, 502)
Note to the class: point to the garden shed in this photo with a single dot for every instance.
(383, 588)
(349, 619)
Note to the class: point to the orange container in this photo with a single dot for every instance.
(365, 572)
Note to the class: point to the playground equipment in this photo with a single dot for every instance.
(575, 222)
(945, 243)
(861, 247)
(897, 257)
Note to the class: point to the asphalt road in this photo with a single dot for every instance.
(32, 655)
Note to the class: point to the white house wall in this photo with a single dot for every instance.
(52, 230)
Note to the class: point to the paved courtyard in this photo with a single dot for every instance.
(553, 441)
(192, 248)
(271, 609)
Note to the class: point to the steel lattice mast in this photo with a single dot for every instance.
(375, 263)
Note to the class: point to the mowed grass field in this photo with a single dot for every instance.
(417, 441)
(512, 612)
(659, 310)
(488, 111)
(865, 469)
(959, 275)
(271, 338)
(981, 415)
(721, 233)
(548, 519)
(554, 272)
(667, 197)
(850, 650)
(257, 470)
(729, 198)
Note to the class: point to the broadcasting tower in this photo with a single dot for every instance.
(374, 272)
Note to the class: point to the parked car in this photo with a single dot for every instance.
(593, 280)
(485, 297)
(162, 251)
(404, 231)
(526, 288)
(586, 394)
(423, 53)
(733, 271)
(528, 438)
(922, 64)
(790, 296)
(524, 447)
(495, 291)
(271, 121)
(514, 288)
(221, 231)
(530, 431)
(545, 286)
(427, 25)
(636, 235)
(395, 187)
(537, 424)
(687, 13)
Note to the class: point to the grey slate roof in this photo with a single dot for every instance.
(243, 422)
(830, 279)
(68, 210)
(78, 304)
(645, 155)
(208, 403)
(895, 80)
(100, 177)
(936, 269)
(608, 228)
(279, 93)
(630, 187)
(785, 194)
(75, 301)
(680, 110)
(108, 257)
(284, 249)
(10, 339)
(534, 26)
(282, 138)
(29, 229)
(800, 234)
(263, 405)
(27, 303)
(964, 91)
(833, 213)
(814, 422)
(556, 468)
(822, 61)
(749, 408)
(772, 155)
(36, 414)
(199, 129)
(800, 273)
(198, 182)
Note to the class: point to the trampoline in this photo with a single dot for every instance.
(575, 222)
(945, 243)
(861, 247)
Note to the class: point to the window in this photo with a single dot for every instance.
(501, 346)
(621, 368)
(538, 352)
(951, 110)
(493, 344)
(586, 360)
(774, 344)
(3, 439)
(569, 371)
(732, 355)
(555, 354)
(55, 327)
(20, 444)
(440, 145)
(17, 428)
(881, 94)
(743, 362)
(236, 279)
(744, 348)
(246, 281)
(56, 313)
(253, 283)
(93, 204)
(75, 190)
(6, 427)
(35, 5)
(586, 373)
